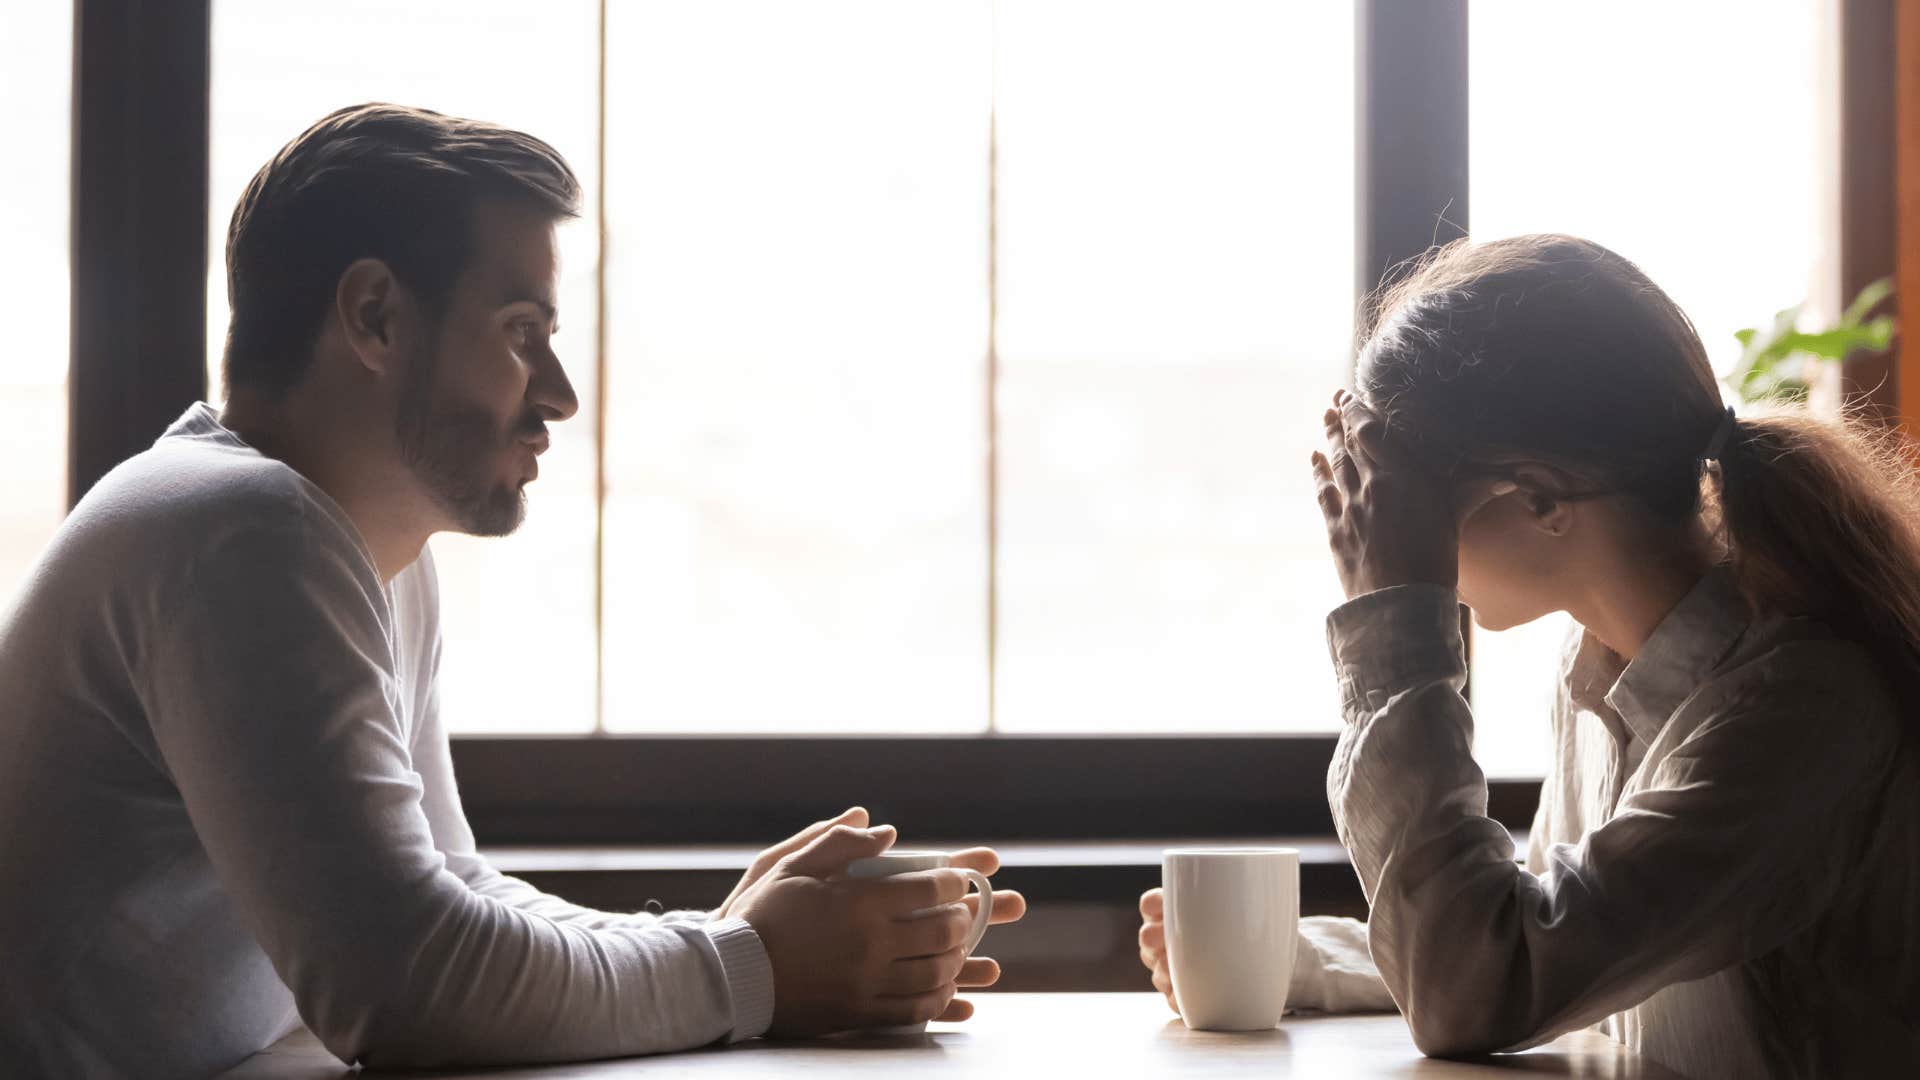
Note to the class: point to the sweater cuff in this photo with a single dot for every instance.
(749, 977)
(686, 917)
(1389, 640)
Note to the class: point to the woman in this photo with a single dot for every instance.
(1724, 872)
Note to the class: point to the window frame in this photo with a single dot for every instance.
(139, 260)
(618, 789)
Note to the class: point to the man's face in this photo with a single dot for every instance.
(475, 406)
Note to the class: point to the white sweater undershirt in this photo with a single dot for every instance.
(227, 804)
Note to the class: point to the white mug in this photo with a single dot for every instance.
(906, 862)
(1232, 918)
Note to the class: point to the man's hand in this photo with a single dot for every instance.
(873, 952)
(855, 817)
(1153, 942)
(1008, 906)
(1386, 522)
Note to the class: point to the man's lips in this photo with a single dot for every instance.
(534, 446)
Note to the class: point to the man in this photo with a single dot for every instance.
(226, 798)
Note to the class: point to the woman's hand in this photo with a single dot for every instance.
(1153, 943)
(1386, 523)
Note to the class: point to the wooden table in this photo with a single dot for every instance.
(1095, 1036)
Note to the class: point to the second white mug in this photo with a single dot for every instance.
(1232, 919)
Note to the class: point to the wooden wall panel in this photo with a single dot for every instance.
(1907, 216)
(1867, 73)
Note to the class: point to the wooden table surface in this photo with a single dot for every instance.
(1094, 1036)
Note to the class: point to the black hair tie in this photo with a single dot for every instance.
(1718, 444)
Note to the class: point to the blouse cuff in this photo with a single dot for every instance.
(1390, 640)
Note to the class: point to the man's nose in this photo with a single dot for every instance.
(551, 392)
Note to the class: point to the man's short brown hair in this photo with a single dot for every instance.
(375, 181)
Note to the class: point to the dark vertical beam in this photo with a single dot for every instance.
(139, 239)
(1411, 144)
(1867, 193)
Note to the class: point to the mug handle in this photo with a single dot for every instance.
(985, 914)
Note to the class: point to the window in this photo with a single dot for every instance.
(814, 213)
(279, 67)
(1176, 269)
(797, 297)
(1695, 151)
(33, 218)
(961, 361)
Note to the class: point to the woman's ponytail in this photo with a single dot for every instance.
(1822, 518)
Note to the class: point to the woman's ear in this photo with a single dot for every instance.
(1550, 515)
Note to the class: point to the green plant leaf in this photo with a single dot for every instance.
(1868, 299)
(1777, 363)
(1832, 344)
(1879, 333)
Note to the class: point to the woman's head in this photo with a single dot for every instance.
(1551, 369)
(1553, 362)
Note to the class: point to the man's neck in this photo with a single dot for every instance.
(349, 458)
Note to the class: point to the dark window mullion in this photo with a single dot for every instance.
(139, 228)
(1410, 108)
(1410, 146)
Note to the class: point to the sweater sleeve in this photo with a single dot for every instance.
(272, 697)
(749, 976)
(453, 837)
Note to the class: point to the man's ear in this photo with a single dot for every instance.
(365, 300)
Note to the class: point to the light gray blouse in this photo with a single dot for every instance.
(1725, 869)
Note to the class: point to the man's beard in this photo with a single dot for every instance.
(451, 449)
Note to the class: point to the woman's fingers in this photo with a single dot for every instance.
(1153, 932)
(1346, 473)
(1163, 983)
(1325, 491)
(1388, 522)
(1153, 937)
(1366, 432)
